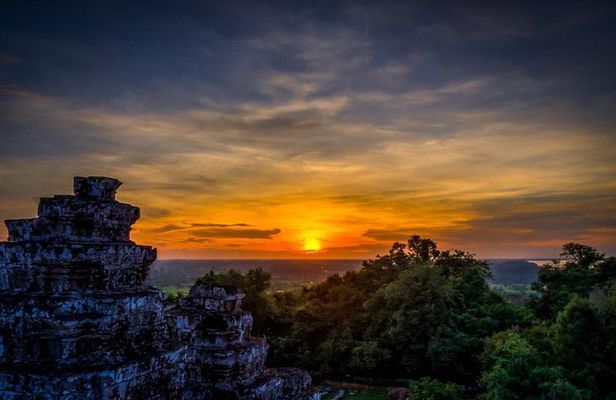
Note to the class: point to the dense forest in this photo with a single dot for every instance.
(428, 317)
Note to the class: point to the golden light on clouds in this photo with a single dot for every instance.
(305, 170)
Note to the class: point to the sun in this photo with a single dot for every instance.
(312, 244)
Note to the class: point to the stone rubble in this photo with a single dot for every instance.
(77, 321)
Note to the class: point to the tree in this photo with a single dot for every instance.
(580, 269)
(422, 250)
(514, 369)
(433, 389)
(368, 357)
(583, 338)
(254, 284)
(433, 312)
(407, 313)
(428, 314)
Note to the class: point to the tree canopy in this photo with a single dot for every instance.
(429, 315)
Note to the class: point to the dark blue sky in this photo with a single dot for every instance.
(503, 114)
(116, 51)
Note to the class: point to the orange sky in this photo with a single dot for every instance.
(498, 187)
(295, 131)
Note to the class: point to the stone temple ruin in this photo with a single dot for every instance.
(77, 321)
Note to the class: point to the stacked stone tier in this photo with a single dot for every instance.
(69, 218)
(60, 267)
(215, 329)
(66, 331)
(272, 384)
(238, 364)
(159, 376)
(208, 297)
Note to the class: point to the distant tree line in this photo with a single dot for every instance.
(428, 316)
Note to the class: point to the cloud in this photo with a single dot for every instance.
(195, 224)
(9, 59)
(399, 234)
(477, 132)
(166, 228)
(16, 91)
(237, 233)
(197, 240)
(190, 227)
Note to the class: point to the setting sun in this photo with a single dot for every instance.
(312, 244)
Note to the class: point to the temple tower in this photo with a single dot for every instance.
(227, 360)
(76, 321)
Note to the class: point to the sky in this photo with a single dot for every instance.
(322, 129)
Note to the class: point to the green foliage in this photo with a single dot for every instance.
(353, 393)
(571, 357)
(517, 294)
(580, 270)
(413, 311)
(514, 369)
(583, 341)
(367, 357)
(409, 314)
(434, 315)
(255, 284)
(427, 314)
(432, 389)
(174, 293)
(370, 394)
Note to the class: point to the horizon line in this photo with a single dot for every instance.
(330, 259)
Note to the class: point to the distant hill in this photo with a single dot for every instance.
(288, 274)
(513, 272)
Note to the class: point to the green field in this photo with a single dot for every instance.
(175, 291)
(516, 294)
(359, 394)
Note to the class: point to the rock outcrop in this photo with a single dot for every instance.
(77, 321)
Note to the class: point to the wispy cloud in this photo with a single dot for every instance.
(196, 224)
(358, 132)
(9, 59)
(237, 233)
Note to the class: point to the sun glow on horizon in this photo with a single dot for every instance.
(312, 244)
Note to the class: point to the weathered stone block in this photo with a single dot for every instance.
(159, 376)
(54, 267)
(214, 297)
(97, 187)
(240, 363)
(215, 329)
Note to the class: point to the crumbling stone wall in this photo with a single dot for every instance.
(77, 322)
(228, 360)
